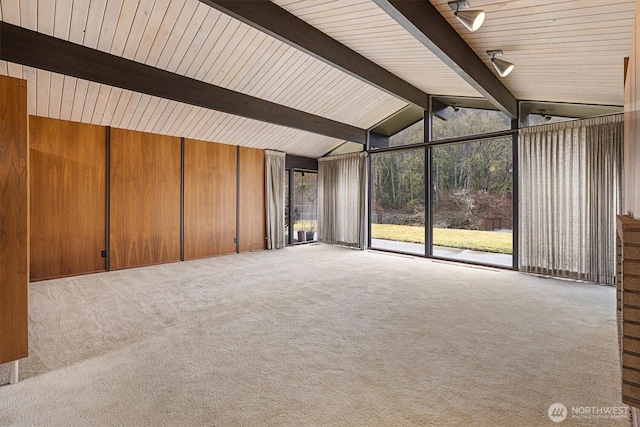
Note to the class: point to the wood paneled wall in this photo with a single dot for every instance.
(209, 199)
(14, 219)
(68, 162)
(69, 181)
(253, 228)
(144, 198)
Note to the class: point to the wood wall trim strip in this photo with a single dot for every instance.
(182, 144)
(107, 207)
(427, 25)
(41, 51)
(288, 28)
(238, 180)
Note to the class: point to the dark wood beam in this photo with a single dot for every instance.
(288, 28)
(427, 25)
(300, 162)
(378, 141)
(37, 50)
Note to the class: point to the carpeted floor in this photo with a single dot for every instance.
(314, 336)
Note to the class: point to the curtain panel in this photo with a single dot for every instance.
(275, 185)
(342, 199)
(571, 181)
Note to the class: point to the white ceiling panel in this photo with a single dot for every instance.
(362, 26)
(564, 51)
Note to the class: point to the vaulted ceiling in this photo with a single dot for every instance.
(564, 51)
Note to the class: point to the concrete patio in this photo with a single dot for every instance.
(489, 258)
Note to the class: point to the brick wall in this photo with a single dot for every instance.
(628, 284)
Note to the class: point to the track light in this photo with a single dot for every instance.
(502, 67)
(542, 114)
(471, 19)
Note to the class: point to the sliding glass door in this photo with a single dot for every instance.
(303, 213)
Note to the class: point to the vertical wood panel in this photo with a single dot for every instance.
(253, 229)
(144, 199)
(210, 199)
(67, 182)
(14, 220)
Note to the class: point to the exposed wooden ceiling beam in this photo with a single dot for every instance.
(288, 28)
(427, 25)
(38, 50)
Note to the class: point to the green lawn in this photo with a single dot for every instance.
(305, 224)
(487, 241)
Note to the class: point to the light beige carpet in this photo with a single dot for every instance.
(314, 336)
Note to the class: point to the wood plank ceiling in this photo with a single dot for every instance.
(564, 51)
(191, 39)
(367, 29)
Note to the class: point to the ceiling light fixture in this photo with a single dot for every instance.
(502, 67)
(471, 19)
(542, 113)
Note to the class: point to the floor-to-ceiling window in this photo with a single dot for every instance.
(473, 201)
(472, 196)
(398, 201)
(398, 194)
(467, 213)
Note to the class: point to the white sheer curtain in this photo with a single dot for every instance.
(570, 193)
(342, 199)
(275, 184)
